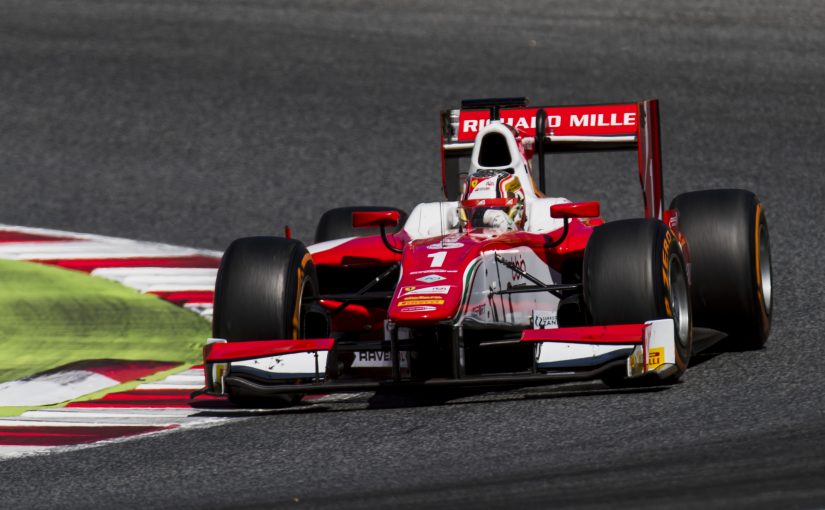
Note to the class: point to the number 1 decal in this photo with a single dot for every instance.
(438, 258)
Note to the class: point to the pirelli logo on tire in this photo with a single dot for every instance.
(666, 270)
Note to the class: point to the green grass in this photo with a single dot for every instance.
(50, 317)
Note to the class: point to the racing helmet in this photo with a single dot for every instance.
(493, 198)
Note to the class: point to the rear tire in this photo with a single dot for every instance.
(261, 285)
(633, 272)
(337, 223)
(727, 235)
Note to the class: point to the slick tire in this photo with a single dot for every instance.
(337, 223)
(730, 255)
(633, 272)
(260, 289)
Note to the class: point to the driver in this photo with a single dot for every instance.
(493, 199)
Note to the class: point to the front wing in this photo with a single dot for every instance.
(279, 367)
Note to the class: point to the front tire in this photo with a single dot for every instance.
(633, 272)
(260, 291)
(727, 235)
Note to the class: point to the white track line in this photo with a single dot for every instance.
(190, 372)
(97, 412)
(10, 452)
(161, 386)
(47, 232)
(158, 283)
(60, 250)
(53, 388)
(178, 288)
(144, 278)
(103, 239)
(115, 420)
(120, 273)
(22, 422)
(184, 377)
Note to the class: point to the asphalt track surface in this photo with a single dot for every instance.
(195, 122)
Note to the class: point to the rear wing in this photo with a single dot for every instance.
(611, 127)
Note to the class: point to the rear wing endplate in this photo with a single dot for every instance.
(611, 127)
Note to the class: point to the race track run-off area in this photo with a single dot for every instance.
(58, 408)
(196, 122)
(181, 276)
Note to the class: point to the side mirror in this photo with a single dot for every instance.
(575, 210)
(365, 219)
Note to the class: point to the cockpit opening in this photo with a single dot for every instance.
(494, 151)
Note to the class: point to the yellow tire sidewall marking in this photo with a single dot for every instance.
(757, 261)
(296, 314)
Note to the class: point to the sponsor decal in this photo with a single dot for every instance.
(430, 278)
(512, 185)
(545, 320)
(655, 357)
(478, 311)
(378, 359)
(438, 289)
(410, 309)
(438, 258)
(673, 220)
(446, 245)
(421, 301)
(426, 271)
(486, 188)
(519, 263)
(614, 119)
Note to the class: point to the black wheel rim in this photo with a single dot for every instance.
(764, 263)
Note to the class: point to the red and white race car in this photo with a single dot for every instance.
(499, 286)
